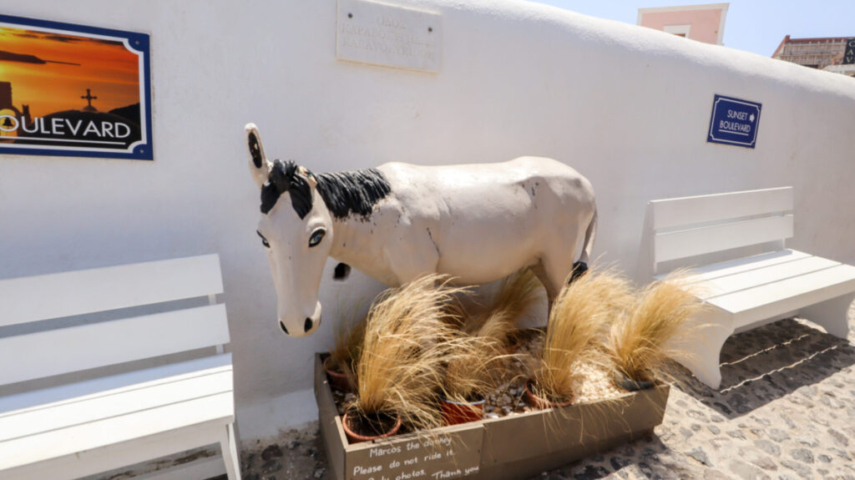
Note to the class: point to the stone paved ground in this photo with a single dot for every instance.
(786, 410)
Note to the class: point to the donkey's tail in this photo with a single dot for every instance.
(580, 267)
(590, 236)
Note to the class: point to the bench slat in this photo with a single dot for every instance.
(674, 212)
(731, 267)
(55, 352)
(42, 297)
(68, 441)
(113, 403)
(767, 301)
(699, 241)
(764, 276)
(80, 391)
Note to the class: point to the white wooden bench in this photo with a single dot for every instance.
(744, 293)
(85, 427)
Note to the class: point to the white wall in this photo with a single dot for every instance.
(627, 106)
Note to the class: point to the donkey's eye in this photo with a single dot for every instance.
(316, 237)
(263, 240)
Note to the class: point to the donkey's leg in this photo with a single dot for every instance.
(559, 256)
(558, 268)
(551, 289)
(555, 271)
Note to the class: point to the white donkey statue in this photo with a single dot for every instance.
(477, 223)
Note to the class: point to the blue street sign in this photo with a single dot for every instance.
(734, 122)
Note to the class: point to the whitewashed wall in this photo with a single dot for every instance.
(628, 107)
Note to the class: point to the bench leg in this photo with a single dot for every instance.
(833, 315)
(699, 350)
(228, 444)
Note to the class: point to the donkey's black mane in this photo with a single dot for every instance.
(344, 193)
(354, 191)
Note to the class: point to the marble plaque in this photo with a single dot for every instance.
(388, 35)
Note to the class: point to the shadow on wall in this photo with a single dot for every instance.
(768, 363)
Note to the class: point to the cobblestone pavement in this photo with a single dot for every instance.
(786, 410)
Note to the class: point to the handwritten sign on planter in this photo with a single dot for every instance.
(734, 121)
(388, 35)
(437, 457)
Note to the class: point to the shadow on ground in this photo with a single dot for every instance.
(768, 363)
(647, 457)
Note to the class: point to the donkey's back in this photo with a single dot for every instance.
(489, 220)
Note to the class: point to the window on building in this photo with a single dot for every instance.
(678, 30)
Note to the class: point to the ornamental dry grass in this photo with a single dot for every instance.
(347, 346)
(407, 342)
(637, 340)
(480, 356)
(515, 295)
(576, 325)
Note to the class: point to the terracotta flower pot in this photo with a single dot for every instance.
(631, 385)
(355, 437)
(337, 380)
(455, 413)
(541, 403)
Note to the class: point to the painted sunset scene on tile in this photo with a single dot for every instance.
(65, 90)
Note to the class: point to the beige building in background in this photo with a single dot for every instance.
(820, 53)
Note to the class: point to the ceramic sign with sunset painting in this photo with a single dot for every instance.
(70, 90)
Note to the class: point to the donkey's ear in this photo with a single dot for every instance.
(258, 164)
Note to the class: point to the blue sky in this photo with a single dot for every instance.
(754, 25)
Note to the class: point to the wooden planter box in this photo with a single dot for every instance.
(504, 448)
